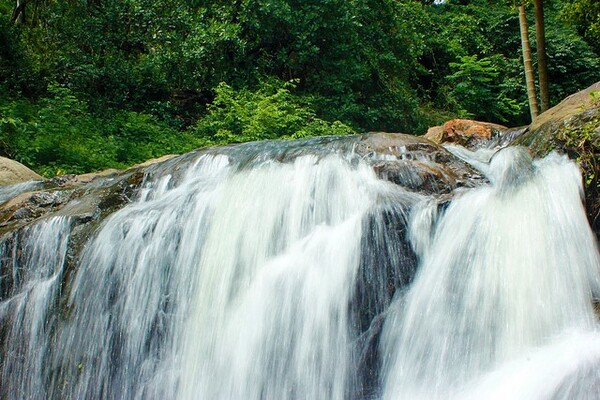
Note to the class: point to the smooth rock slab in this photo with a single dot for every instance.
(13, 172)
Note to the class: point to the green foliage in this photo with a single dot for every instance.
(572, 65)
(59, 135)
(595, 97)
(271, 112)
(480, 38)
(47, 135)
(362, 73)
(351, 57)
(585, 143)
(585, 15)
(94, 84)
(474, 87)
(489, 30)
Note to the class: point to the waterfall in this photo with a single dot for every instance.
(33, 262)
(271, 271)
(507, 278)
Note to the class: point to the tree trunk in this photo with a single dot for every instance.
(529, 78)
(18, 15)
(540, 38)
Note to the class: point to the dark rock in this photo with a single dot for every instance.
(44, 199)
(508, 136)
(22, 214)
(62, 180)
(416, 163)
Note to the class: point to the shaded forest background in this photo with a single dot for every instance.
(92, 84)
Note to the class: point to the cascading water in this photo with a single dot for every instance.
(32, 268)
(233, 281)
(509, 275)
(270, 276)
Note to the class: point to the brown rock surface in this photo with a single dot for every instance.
(545, 133)
(13, 172)
(466, 132)
(574, 104)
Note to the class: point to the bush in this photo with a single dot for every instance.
(271, 112)
(59, 135)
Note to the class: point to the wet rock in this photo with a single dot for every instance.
(22, 213)
(45, 199)
(509, 136)
(416, 176)
(85, 199)
(62, 180)
(416, 163)
(397, 144)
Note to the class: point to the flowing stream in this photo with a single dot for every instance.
(310, 278)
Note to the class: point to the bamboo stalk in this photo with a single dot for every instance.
(529, 77)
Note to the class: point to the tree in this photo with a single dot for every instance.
(27, 11)
(18, 15)
(529, 77)
(540, 37)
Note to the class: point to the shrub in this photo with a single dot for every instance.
(271, 112)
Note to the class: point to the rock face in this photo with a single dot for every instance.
(12, 172)
(465, 132)
(87, 197)
(419, 164)
(548, 130)
(81, 197)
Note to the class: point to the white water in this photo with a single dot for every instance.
(270, 311)
(228, 284)
(503, 288)
(35, 269)
(8, 192)
(272, 281)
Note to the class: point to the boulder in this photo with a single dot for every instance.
(549, 130)
(574, 104)
(416, 163)
(13, 172)
(465, 132)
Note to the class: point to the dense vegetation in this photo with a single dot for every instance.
(91, 84)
